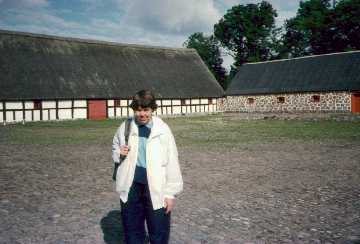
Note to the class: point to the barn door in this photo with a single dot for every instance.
(97, 109)
(355, 102)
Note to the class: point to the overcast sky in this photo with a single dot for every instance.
(150, 22)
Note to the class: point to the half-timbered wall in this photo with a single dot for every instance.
(120, 108)
(11, 112)
(23, 111)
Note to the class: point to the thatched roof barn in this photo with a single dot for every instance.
(48, 68)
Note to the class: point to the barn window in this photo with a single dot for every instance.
(250, 100)
(117, 103)
(37, 104)
(281, 99)
(315, 98)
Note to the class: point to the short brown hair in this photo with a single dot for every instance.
(144, 99)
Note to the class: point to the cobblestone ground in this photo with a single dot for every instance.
(271, 193)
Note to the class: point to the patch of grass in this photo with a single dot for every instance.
(65, 132)
(226, 132)
(202, 131)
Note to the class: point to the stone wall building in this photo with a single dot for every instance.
(322, 83)
(54, 78)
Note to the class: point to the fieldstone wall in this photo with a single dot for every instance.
(299, 102)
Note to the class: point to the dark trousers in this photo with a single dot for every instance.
(136, 211)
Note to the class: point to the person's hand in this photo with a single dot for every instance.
(124, 150)
(169, 204)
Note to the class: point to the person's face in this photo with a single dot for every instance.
(143, 115)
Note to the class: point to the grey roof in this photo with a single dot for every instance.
(330, 72)
(34, 66)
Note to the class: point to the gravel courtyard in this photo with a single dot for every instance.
(286, 191)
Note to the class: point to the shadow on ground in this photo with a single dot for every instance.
(112, 228)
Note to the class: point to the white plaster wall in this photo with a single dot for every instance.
(18, 116)
(13, 105)
(118, 112)
(166, 102)
(183, 109)
(162, 111)
(80, 113)
(176, 102)
(187, 101)
(111, 113)
(221, 104)
(177, 109)
(9, 116)
(123, 103)
(110, 103)
(131, 112)
(124, 112)
(211, 108)
(28, 116)
(214, 108)
(52, 114)
(1, 117)
(45, 115)
(1, 105)
(29, 105)
(64, 113)
(64, 104)
(204, 101)
(36, 115)
(195, 101)
(48, 104)
(80, 103)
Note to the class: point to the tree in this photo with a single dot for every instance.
(323, 26)
(209, 50)
(347, 25)
(245, 31)
(309, 31)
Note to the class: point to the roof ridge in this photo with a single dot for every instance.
(92, 41)
(305, 57)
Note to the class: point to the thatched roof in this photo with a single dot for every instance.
(331, 72)
(36, 66)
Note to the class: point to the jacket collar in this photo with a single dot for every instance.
(157, 128)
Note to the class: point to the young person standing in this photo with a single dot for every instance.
(149, 178)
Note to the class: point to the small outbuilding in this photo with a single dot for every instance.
(326, 83)
(53, 78)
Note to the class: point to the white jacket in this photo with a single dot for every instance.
(163, 170)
